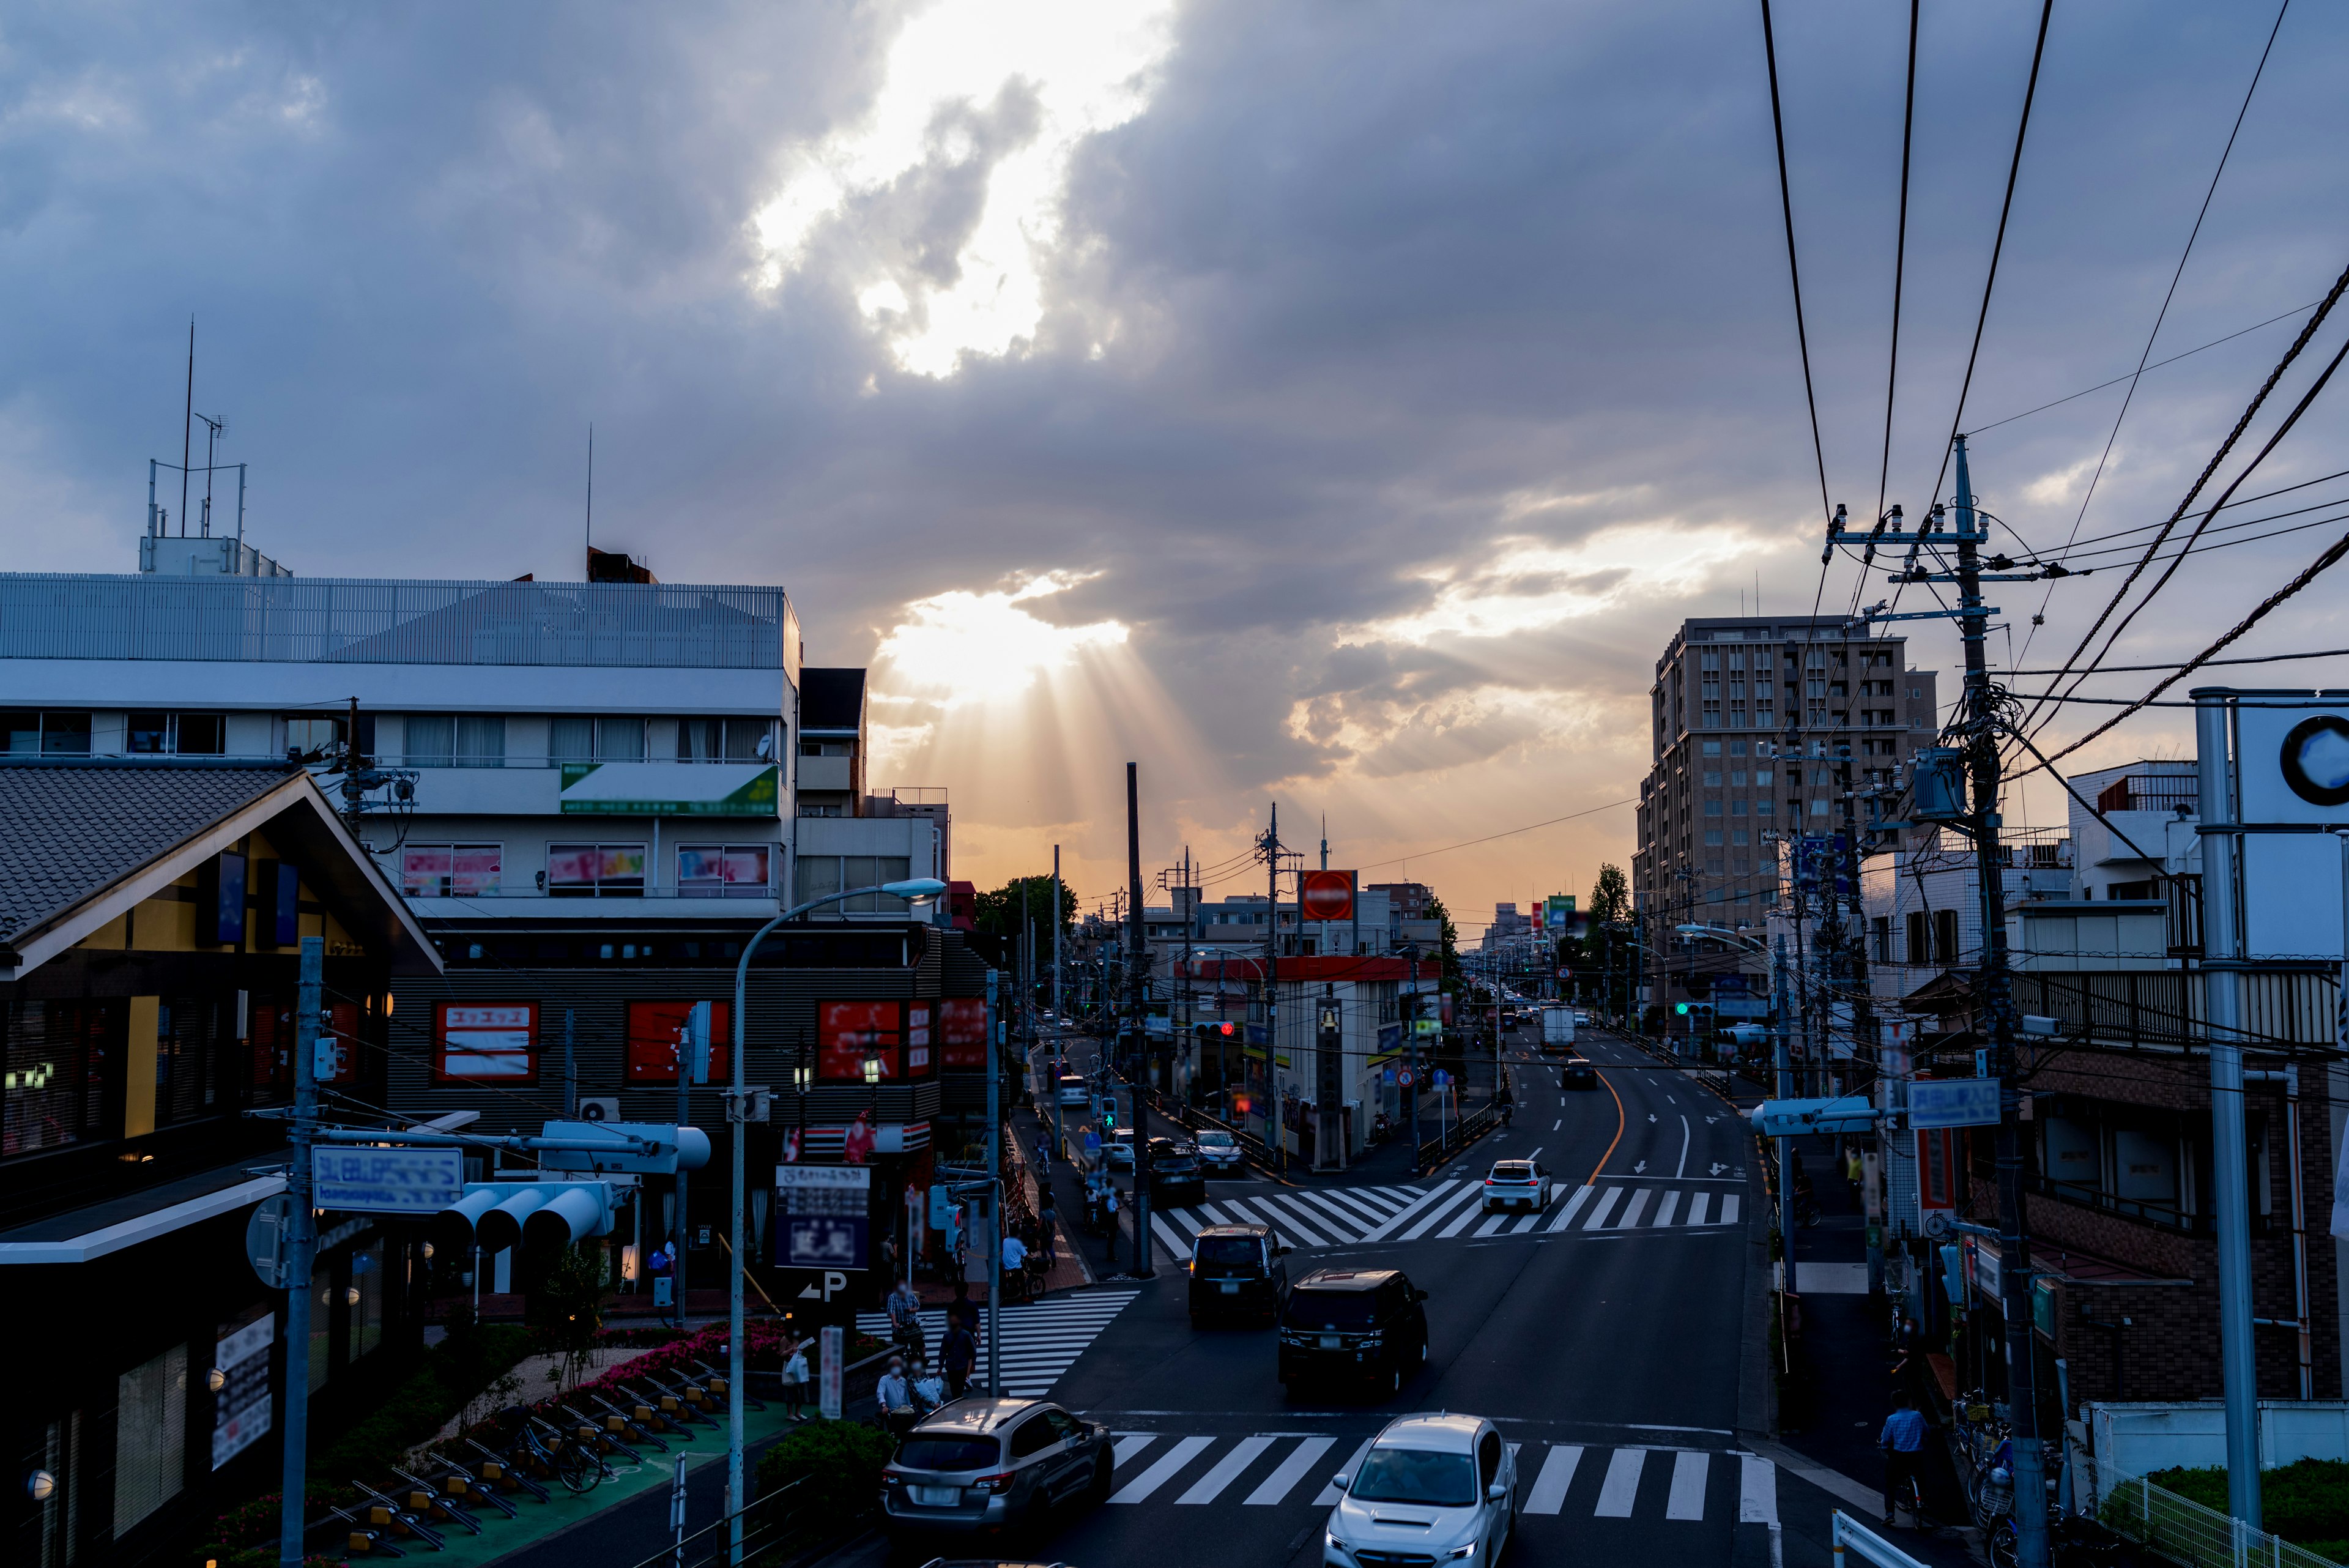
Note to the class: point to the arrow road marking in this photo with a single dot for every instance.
(1651, 1115)
(1639, 1168)
(1716, 1167)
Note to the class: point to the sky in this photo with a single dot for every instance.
(1329, 405)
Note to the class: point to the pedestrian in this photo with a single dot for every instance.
(905, 1320)
(929, 1389)
(1015, 1259)
(1043, 1155)
(1903, 1442)
(957, 1352)
(962, 1309)
(1048, 1227)
(1109, 1209)
(795, 1379)
(894, 1395)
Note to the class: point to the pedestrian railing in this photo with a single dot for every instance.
(1456, 1136)
(1853, 1539)
(2183, 1529)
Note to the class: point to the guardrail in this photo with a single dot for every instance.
(1455, 1137)
(2183, 1529)
(1857, 1539)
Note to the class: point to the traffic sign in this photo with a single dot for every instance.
(1407, 1078)
(376, 1180)
(266, 1236)
(1952, 1103)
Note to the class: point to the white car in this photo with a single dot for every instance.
(1074, 1091)
(1516, 1184)
(1430, 1488)
(1217, 1150)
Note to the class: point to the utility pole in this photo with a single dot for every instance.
(1139, 980)
(1978, 734)
(993, 1189)
(1271, 845)
(1056, 934)
(300, 1238)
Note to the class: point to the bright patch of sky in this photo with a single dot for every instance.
(1525, 585)
(1089, 64)
(960, 646)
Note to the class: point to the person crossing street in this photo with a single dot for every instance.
(1903, 1442)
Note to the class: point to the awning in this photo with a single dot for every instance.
(670, 789)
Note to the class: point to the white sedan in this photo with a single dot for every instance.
(1429, 1488)
(1516, 1184)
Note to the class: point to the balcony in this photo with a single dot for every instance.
(2163, 1009)
(827, 773)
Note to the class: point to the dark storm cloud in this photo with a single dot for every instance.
(1390, 296)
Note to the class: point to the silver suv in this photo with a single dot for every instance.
(983, 1464)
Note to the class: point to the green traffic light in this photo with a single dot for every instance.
(1681, 1007)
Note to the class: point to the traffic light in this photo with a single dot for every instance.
(539, 1217)
(1680, 1008)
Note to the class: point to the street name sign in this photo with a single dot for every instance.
(388, 1180)
(1952, 1103)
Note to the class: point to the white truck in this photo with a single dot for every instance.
(1557, 1030)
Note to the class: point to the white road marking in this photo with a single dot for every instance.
(1632, 1210)
(1687, 1501)
(1328, 1497)
(1159, 1474)
(1684, 1148)
(1566, 1215)
(1621, 1487)
(1664, 1214)
(1757, 1491)
(1227, 1470)
(1548, 1493)
(1289, 1472)
(1598, 1209)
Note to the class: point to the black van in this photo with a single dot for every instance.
(1236, 1271)
(1353, 1324)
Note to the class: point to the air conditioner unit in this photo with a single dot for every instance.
(606, 1109)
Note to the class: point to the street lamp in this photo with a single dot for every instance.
(916, 892)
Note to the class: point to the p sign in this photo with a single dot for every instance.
(824, 1288)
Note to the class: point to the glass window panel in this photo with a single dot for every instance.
(696, 739)
(747, 740)
(700, 868)
(312, 737)
(819, 877)
(746, 867)
(571, 740)
(424, 870)
(432, 741)
(64, 734)
(571, 867)
(24, 731)
(200, 735)
(147, 733)
(150, 1436)
(620, 739)
(623, 866)
(482, 740)
(475, 870)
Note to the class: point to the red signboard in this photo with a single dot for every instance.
(653, 1028)
(963, 1024)
(849, 1032)
(1327, 895)
(496, 1042)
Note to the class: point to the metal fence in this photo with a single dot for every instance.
(1456, 1136)
(375, 621)
(2165, 1007)
(2183, 1529)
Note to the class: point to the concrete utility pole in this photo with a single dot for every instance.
(1056, 935)
(301, 1245)
(1270, 843)
(1138, 945)
(994, 1189)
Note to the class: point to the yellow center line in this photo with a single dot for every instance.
(1619, 1129)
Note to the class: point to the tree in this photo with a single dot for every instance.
(1610, 907)
(1006, 910)
(1610, 896)
(1450, 950)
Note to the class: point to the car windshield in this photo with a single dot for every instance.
(1415, 1475)
(1513, 1171)
(931, 1453)
(1330, 1308)
(1227, 1250)
(1215, 1140)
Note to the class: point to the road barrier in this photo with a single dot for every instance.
(2183, 1529)
(1856, 1540)
(1455, 1137)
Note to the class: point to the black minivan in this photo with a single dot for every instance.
(1353, 1324)
(1237, 1271)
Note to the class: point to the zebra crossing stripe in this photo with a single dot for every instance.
(1621, 1487)
(1431, 1195)
(1352, 1206)
(1214, 1214)
(1226, 1471)
(1573, 1206)
(1757, 1491)
(1687, 1499)
(1728, 1208)
(1634, 1210)
(1171, 1238)
(1494, 1223)
(1288, 1472)
(1286, 1215)
(1128, 1445)
(1466, 1217)
(1548, 1493)
(1664, 1214)
(1159, 1474)
(1598, 1209)
(1247, 1216)
(1329, 1494)
(1698, 1203)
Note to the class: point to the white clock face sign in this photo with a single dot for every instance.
(2314, 760)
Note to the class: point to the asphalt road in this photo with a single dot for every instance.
(1625, 1358)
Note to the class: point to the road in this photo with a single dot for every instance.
(1614, 1338)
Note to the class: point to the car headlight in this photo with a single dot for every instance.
(1466, 1549)
(1330, 1539)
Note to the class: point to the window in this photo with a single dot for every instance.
(53, 733)
(1762, 807)
(1712, 748)
(481, 740)
(430, 741)
(1738, 808)
(653, 1031)
(1713, 808)
(184, 734)
(595, 870)
(450, 871)
(59, 1526)
(1711, 837)
(1711, 713)
(1738, 836)
(725, 870)
(850, 1033)
(1712, 778)
(824, 874)
(1819, 807)
(485, 1041)
(725, 740)
(310, 738)
(1032, 1437)
(824, 747)
(151, 1437)
(578, 739)
(191, 1038)
(1880, 934)
(1945, 936)
(53, 1087)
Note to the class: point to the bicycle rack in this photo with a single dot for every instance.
(716, 1382)
(459, 1482)
(386, 1512)
(497, 1470)
(362, 1540)
(632, 1425)
(598, 1435)
(424, 1498)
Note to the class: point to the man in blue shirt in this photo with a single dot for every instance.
(1903, 1442)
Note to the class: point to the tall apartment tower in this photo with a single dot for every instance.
(1749, 719)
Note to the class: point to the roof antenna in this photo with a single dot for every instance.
(187, 428)
(591, 499)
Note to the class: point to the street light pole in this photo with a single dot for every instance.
(301, 1243)
(918, 891)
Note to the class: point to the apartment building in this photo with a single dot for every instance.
(1752, 720)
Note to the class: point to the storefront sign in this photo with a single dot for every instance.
(241, 1410)
(497, 1041)
(1952, 1103)
(823, 1223)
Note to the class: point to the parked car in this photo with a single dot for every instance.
(982, 1464)
(1237, 1269)
(1580, 1074)
(1073, 1091)
(1219, 1151)
(1177, 1175)
(1429, 1488)
(1516, 1184)
(1352, 1325)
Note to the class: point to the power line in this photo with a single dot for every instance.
(1900, 257)
(1794, 267)
(1507, 833)
(2149, 668)
(2133, 375)
(2238, 501)
(2308, 331)
(2163, 314)
(1998, 244)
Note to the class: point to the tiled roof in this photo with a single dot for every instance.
(74, 828)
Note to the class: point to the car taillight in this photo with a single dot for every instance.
(1000, 1482)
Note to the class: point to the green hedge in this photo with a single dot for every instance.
(2307, 1503)
(840, 1460)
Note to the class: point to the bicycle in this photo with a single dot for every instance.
(573, 1463)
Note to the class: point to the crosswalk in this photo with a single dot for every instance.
(1273, 1469)
(1040, 1342)
(1446, 1210)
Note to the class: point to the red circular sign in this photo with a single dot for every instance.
(1327, 895)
